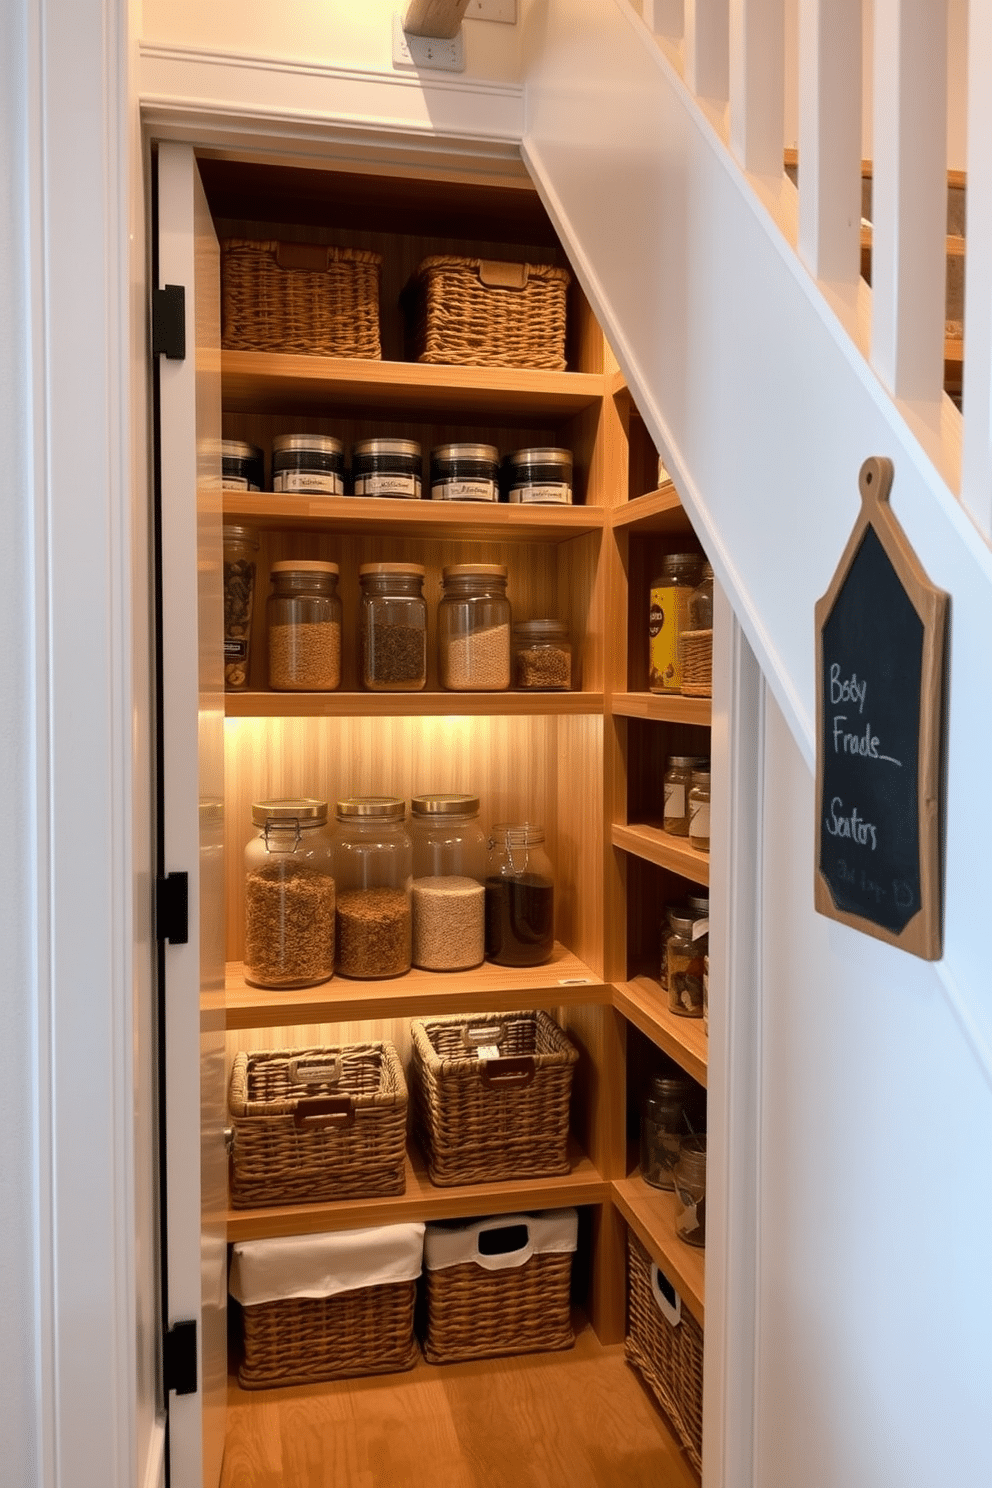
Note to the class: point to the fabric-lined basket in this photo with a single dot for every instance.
(481, 313)
(696, 661)
(300, 298)
(665, 1344)
(320, 1307)
(499, 1286)
(317, 1124)
(492, 1096)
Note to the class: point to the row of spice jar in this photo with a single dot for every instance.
(314, 465)
(304, 624)
(687, 799)
(371, 899)
(673, 1148)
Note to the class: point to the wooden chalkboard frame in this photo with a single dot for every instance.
(922, 935)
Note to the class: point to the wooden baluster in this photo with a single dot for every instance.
(830, 139)
(707, 48)
(757, 85)
(664, 18)
(976, 455)
(909, 201)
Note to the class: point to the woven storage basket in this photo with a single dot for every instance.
(478, 313)
(299, 297)
(481, 1304)
(665, 1344)
(482, 1120)
(317, 1124)
(696, 660)
(343, 1327)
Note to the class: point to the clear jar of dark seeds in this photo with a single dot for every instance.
(392, 627)
(240, 553)
(539, 477)
(387, 467)
(309, 463)
(465, 472)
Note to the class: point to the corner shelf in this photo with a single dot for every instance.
(659, 847)
(643, 1002)
(663, 707)
(658, 512)
(650, 1212)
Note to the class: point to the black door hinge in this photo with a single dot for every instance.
(179, 1359)
(169, 322)
(172, 908)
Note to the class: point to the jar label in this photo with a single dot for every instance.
(463, 490)
(557, 495)
(236, 650)
(326, 482)
(381, 484)
(675, 800)
(699, 821)
(668, 618)
(236, 483)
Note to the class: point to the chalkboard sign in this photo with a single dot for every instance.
(880, 631)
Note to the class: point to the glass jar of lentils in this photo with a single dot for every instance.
(289, 895)
(392, 627)
(473, 628)
(449, 872)
(373, 872)
(303, 618)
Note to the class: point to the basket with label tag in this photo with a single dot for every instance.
(482, 313)
(492, 1096)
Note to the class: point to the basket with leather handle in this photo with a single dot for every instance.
(316, 1124)
(303, 298)
(492, 1096)
(484, 313)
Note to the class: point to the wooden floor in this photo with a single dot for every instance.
(581, 1419)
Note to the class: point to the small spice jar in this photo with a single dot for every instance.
(686, 949)
(373, 871)
(242, 466)
(542, 656)
(289, 895)
(678, 781)
(240, 552)
(313, 463)
(449, 872)
(697, 906)
(465, 472)
(473, 628)
(663, 1127)
(699, 811)
(539, 477)
(668, 617)
(690, 1191)
(387, 467)
(392, 627)
(303, 619)
(520, 897)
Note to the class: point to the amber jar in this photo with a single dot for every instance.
(699, 811)
(678, 780)
(686, 950)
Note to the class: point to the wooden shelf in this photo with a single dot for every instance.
(564, 980)
(644, 1003)
(660, 847)
(474, 520)
(316, 385)
(410, 704)
(422, 1200)
(665, 707)
(658, 511)
(650, 1212)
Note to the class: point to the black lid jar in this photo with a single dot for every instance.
(465, 472)
(387, 467)
(539, 477)
(308, 463)
(242, 466)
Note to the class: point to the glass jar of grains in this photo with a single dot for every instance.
(473, 628)
(373, 871)
(449, 872)
(542, 656)
(678, 780)
(392, 627)
(699, 811)
(668, 617)
(240, 557)
(289, 895)
(303, 619)
(520, 897)
(687, 945)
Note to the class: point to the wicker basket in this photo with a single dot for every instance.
(317, 1124)
(478, 313)
(492, 1096)
(299, 297)
(342, 1327)
(665, 1344)
(696, 660)
(483, 1300)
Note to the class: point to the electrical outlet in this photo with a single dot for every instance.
(492, 10)
(427, 52)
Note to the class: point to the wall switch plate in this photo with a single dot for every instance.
(492, 10)
(427, 52)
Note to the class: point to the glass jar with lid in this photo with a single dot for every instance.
(392, 627)
(539, 477)
(373, 871)
(697, 906)
(542, 656)
(473, 628)
(449, 872)
(387, 467)
(687, 945)
(663, 1126)
(289, 895)
(668, 617)
(678, 781)
(690, 1191)
(699, 811)
(520, 896)
(465, 472)
(303, 619)
(242, 466)
(240, 559)
(310, 463)
(701, 601)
